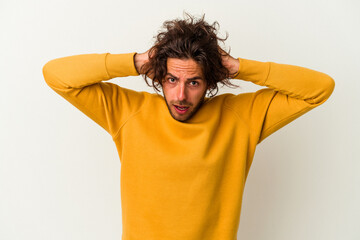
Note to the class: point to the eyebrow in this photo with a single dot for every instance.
(189, 79)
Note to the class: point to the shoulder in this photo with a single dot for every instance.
(248, 99)
(244, 104)
(229, 100)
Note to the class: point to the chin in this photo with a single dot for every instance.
(182, 119)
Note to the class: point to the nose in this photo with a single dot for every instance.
(181, 94)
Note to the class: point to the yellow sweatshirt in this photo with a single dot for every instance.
(185, 181)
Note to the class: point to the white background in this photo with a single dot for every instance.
(60, 172)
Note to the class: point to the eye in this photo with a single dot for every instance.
(172, 80)
(194, 83)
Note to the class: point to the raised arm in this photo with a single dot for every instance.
(80, 80)
(291, 91)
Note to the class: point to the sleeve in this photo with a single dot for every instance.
(80, 80)
(291, 92)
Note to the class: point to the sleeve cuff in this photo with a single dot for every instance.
(254, 71)
(121, 65)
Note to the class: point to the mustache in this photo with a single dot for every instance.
(182, 103)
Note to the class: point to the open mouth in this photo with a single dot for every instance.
(181, 109)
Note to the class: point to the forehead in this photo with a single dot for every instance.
(184, 66)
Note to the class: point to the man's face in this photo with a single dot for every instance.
(184, 88)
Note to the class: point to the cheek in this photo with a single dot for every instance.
(197, 96)
(201, 93)
(167, 92)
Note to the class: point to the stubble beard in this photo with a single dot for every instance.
(191, 114)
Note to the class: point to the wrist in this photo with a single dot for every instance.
(139, 60)
(233, 65)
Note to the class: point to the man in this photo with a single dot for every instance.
(185, 157)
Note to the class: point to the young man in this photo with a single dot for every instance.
(185, 157)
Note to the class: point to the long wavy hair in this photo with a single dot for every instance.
(190, 38)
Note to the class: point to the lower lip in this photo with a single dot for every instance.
(181, 111)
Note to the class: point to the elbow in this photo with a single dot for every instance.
(324, 92)
(50, 76)
(329, 87)
(46, 71)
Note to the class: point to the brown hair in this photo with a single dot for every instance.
(188, 39)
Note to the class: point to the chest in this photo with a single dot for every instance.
(163, 145)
